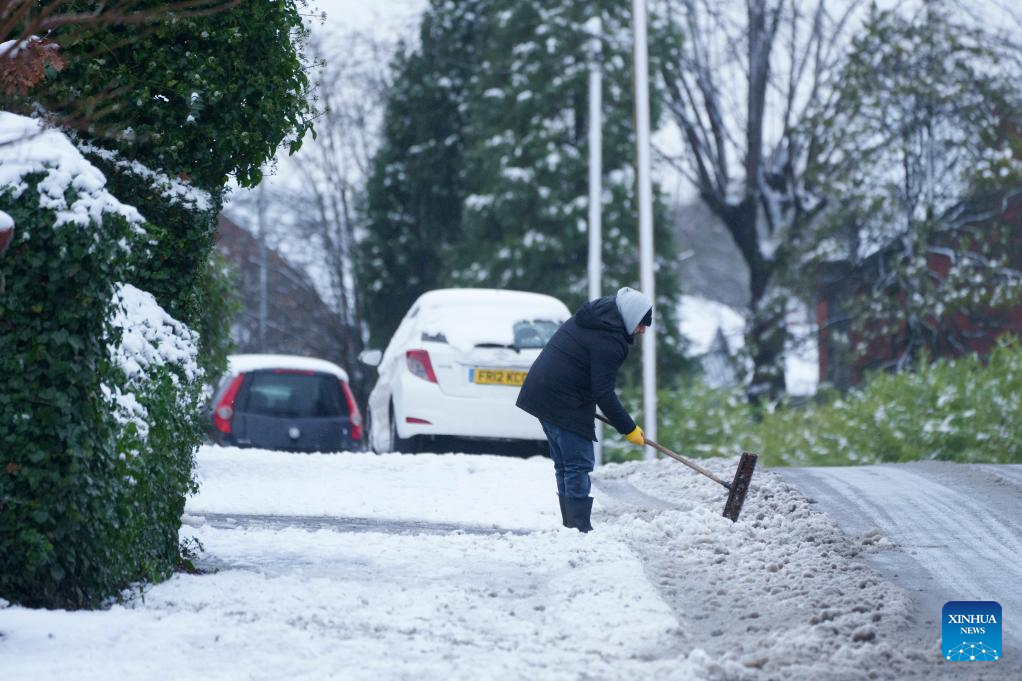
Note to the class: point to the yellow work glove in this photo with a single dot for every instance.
(636, 437)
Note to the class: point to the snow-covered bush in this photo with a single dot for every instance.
(99, 407)
(156, 390)
(175, 263)
(961, 409)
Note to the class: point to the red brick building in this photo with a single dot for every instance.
(841, 283)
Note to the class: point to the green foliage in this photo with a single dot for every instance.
(949, 410)
(95, 463)
(482, 177)
(56, 435)
(203, 96)
(414, 197)
(218, 300)
(86, 507)
(155, 473)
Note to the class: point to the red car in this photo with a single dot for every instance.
(286, 403)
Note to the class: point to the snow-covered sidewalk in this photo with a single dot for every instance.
(665, 588)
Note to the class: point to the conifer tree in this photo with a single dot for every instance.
(504, 202)
(414, 193)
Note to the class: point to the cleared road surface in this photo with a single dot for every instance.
(956, 528)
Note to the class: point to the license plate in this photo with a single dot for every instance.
(497, 376)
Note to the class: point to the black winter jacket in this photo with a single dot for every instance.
(577, 369)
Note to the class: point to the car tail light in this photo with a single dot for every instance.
(419, 364)
(416, 419)
(354, 415)
(224, 411)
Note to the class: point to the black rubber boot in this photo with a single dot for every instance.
(564, 514)
(577, 512)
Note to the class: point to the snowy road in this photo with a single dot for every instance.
(957, 529)
(441, 567)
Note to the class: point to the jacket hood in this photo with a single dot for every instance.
(602, 314)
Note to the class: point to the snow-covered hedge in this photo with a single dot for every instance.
(174, 263)
(100, 401)
(961, 410)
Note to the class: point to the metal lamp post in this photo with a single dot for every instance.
(645, 196)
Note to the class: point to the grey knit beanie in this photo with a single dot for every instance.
(634, 307)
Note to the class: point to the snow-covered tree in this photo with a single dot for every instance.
(483, 174)
(922, 167)
(414, 191)
(741, 80)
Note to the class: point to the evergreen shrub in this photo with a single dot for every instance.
(178, 263)
(963, 409)
(98, 415)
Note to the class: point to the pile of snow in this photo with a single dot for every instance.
(10, 49)
(458, 488)
(702, 319)
(664, 588)
(237, 364)
(467, 317)
(782, 593)
(29, 147)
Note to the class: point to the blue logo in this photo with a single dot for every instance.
(971, 631)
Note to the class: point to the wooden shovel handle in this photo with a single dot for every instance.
(677, 457)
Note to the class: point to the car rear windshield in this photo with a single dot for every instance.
(287, 394)
(534, 333)
(469, 327)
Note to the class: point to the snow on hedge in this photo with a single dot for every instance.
(30, 147)
(175, 190)
(150, 339)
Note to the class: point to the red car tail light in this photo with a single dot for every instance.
(419, 364)
(224, 410)
(354, 415)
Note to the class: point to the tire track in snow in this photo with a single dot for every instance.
(1011, 473)
(957, 531)
(231, 521)
(623, 492)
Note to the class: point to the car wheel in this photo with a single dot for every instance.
(399, 444)
(370, 441)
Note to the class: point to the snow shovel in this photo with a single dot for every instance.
(736, 490)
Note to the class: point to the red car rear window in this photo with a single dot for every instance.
(295, 395)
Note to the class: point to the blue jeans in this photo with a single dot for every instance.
(573, 460)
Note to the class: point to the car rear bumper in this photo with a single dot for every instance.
(468, 417)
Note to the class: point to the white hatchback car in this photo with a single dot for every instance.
(454, 366)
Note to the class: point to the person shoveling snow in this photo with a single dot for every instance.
(575, 373)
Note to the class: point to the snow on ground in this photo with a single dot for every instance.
(665, 588)
(701, 320)
(460, 488)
